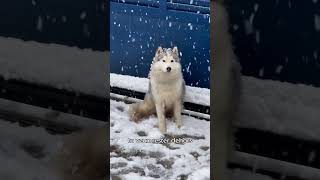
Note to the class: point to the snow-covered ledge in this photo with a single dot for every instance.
(59, 66)
(194, 95)
(280, 107)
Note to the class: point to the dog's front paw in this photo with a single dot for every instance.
(179, 125)
(162, 129)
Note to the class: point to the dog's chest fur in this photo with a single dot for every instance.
(166, 92)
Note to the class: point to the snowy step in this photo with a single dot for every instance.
(196, 99)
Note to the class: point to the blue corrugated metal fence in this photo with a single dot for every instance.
(138, 27)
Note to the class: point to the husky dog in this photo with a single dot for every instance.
(166, 90)
(83, 156)
(226, 90)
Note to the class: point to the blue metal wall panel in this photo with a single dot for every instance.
(137, 28)
(61, 22)
(278, 40)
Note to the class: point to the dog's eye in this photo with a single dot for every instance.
(163, 60)
(171, 60)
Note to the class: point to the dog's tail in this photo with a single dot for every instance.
(141, 110)
(82, 155)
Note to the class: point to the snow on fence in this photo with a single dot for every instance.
(278, 129)
(59, 66)
(58, 77)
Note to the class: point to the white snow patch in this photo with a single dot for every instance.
(280, 107)
(200, 174)
(63, 67)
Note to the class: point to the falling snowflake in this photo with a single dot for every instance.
(83, 15)
(39, 24)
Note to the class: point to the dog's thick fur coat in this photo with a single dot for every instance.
(166, 90)
(83, 156)
(226, 90)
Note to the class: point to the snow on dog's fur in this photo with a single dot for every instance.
(166, 90)
(226, 90)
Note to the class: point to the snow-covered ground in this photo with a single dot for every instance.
(28, 152)
(158, 159)
(25, 152)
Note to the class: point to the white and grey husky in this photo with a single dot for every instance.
(166, 90)
(226, 90)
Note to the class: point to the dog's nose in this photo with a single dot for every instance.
(168, 69)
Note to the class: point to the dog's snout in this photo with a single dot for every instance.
(168, 69)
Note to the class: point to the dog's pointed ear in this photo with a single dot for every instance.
(159, 50)
(175, 50)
